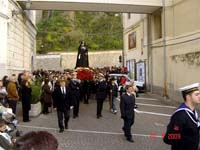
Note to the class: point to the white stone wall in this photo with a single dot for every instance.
(68, 60)
(18, 40)
(48, 62)
(3, 35)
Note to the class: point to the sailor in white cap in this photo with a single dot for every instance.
(183, 129)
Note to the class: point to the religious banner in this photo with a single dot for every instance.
(132, 40)
(141, 71)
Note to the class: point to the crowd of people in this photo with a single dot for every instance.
(61, 91)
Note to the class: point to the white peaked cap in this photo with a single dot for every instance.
(190, 88)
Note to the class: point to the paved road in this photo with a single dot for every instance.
(89, 133)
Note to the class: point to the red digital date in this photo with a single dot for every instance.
(174, 136)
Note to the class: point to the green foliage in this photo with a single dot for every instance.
(35, 93)
(62, 31)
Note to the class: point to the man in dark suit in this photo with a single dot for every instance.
(127, 104)
(62, 104)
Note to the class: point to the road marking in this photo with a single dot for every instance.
(159, 124)
(143, 98)
(151, 113)
(87, 131)
(164, 106)
(150, 99)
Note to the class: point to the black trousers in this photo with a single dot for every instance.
(86, 96)
(76, 101)
(12, 104)
(65, 114)
(99, 106)
(127, 127)
(45, 108)
(25, 112)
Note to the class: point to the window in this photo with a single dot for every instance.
(157, 24)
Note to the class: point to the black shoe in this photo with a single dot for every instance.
(66, 127)
(26, 120)
(130, 140)
(98, 117)
(75, 116)
(136, 106)
(61, 130)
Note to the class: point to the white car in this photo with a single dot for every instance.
(140, 85)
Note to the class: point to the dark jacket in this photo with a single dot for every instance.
(101, 89)
(127, 104)
(62, 101)
(182, 133)
(26, 97)
(74, 87)
(46, 94)
(114, 89)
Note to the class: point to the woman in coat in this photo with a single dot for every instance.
(46, 96)
(26, 99)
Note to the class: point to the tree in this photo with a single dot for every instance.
(63, 31)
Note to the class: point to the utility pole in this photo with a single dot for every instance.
(164, 51)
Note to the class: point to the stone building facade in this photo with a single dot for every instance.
(168, 43)
(17, 40)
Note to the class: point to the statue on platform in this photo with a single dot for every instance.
(82, 57)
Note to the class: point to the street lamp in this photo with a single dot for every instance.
(42, 46)
(28, 4)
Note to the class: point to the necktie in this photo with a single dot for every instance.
(63, 90)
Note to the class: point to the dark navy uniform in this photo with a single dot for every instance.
(100, 96)
(127, 104)
(183, 129)
(74, 88)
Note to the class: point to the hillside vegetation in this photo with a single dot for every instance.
(62, 31)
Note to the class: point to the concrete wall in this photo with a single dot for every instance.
(182, 47)
(19, 34)
(3, 36)
(68, 60)
(48, 62)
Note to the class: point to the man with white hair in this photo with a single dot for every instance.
(13, 95)
(183, 129)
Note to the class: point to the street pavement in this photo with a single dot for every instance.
(89, 133)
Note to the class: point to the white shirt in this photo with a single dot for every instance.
(63, 90)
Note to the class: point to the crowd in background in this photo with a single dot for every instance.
(61, 90)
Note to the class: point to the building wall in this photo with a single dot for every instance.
(68, 60)
(19, 39)
(182, 47)
(3, 35)
(48, 62)
(138, 24)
